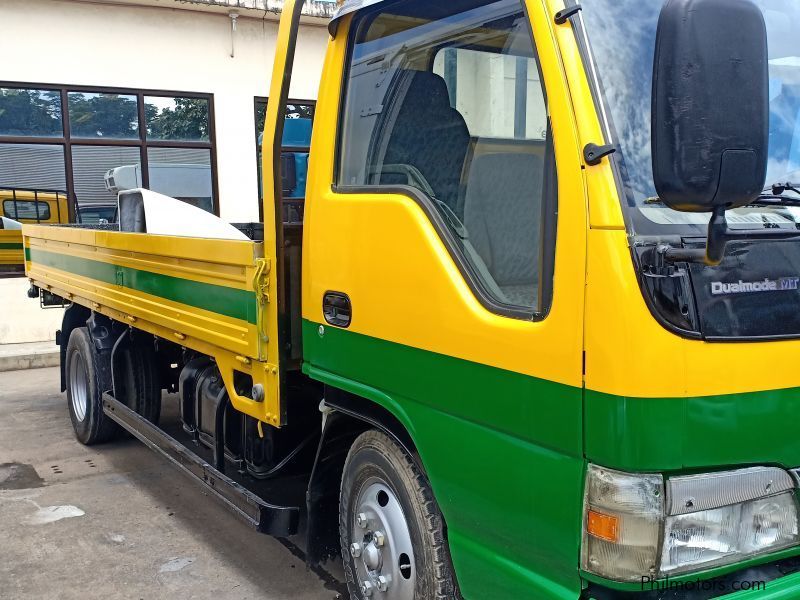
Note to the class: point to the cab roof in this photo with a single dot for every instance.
(347, 7)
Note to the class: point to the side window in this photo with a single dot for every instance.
(511, 106)
(27, 210)
(447, 99)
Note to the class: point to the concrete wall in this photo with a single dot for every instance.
(21, 319)
(160, 48)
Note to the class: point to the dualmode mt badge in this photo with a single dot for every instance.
(719, 288)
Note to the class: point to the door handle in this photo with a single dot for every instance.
(337, 309)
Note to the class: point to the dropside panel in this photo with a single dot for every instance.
(201, 294)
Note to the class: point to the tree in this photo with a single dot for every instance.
(30, 112)
(188, 120)
(103, 115)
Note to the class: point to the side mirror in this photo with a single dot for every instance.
(710, 104)
(710, 116)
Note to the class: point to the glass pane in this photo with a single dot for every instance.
(182, 173)
(296, 134)
(32, 166)
(30, 112)
(25, 209)
(294, 169)
(112, 116)
(297, 131)
(176, 119)
(90, 164)
(623, 38)
(498, 95)
(97, 213)
(261, 116)
(469, 131)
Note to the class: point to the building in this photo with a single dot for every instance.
(160, 88)
(193, 71)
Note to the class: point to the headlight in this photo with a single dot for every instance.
(635, 526)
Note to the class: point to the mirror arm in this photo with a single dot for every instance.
(719, 234)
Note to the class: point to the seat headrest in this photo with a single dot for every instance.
(427, 90)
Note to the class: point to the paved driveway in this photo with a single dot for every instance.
(117, 521)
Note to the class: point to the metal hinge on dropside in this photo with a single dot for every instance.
(261, 287)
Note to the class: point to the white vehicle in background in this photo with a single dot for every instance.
(188, 182)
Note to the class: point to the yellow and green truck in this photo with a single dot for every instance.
(17, 206)
(534, 333)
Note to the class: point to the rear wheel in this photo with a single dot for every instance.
(85, 389)
(390, 526)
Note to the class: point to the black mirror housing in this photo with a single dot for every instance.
(710, 104)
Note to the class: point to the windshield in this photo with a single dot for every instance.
(98, 214)
(622, 38)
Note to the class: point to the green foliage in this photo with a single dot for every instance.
(30, 112)
(113, 116)
(103, 116)
(188, 120)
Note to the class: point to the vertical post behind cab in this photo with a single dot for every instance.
(277, 318)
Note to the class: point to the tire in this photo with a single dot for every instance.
(382, 483)
(138, 381)
(85, 385)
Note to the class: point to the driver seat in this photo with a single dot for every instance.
(430, 135)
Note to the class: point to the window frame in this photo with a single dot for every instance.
(67, 141)
(299, 149)
(549, 231)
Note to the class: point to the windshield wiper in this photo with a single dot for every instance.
(775, 195)
(776, 200)
(778, 189)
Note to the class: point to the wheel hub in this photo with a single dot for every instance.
(372, 557)
(381, 548)
(78, 387)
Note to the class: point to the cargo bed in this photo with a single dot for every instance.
(205, 295)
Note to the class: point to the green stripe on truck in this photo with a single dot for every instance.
(231, 302)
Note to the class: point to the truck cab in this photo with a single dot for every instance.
(20, 205)
(530, 335)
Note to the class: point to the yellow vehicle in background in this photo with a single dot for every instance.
(533, 334)
(19, 205)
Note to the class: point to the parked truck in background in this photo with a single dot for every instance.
(22, 205)
(532, 335)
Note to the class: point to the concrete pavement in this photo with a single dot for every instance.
(117, 521)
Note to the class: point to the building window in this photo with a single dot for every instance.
(458, 120)
(93, 143)
(296, 149)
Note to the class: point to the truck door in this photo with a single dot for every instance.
(273, 281)
(446, 219)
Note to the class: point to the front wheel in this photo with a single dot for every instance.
(390, 526)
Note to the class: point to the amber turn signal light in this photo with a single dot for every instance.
(603, 526)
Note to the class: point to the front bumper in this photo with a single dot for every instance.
(785, 588)
(779, 580)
